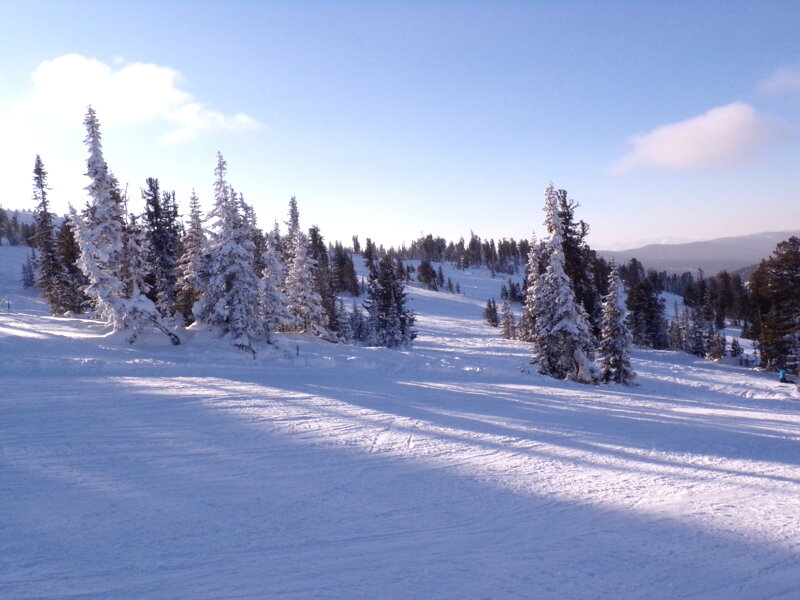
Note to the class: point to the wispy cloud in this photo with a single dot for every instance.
(723, 137)
(784, 81)
(123, 94)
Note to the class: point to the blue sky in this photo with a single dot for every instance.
(392, 119)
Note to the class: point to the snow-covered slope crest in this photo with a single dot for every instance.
(323, 471)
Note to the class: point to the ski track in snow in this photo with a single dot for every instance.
(445, 471)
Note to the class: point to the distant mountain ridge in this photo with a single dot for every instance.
(712, 256)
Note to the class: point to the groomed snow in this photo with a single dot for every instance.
(445, 471)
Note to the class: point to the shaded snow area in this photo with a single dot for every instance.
(448, 471)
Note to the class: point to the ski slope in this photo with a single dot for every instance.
(448, 471)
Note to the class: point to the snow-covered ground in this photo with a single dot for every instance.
(322, 471)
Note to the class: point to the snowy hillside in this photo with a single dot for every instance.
(448, 471)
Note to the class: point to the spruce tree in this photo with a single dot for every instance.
(163, 238)
(52, 279)
(778, 297)
(390, 320)
(613, 355)
(74, 299)
(232, 293)
(134, 270)
(507, 321)
(646, 314)
(563, 344)
(323, 278)
(579, 259)
(273, 301)
(191, 262)
(490, 314)
(526, 331)
(302, 299)
(101, 236)
(100, 232)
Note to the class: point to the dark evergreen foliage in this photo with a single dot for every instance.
(776, 294)
(490, 313)
(162, 232)
(390, 320)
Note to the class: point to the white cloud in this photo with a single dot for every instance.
(132, 94)
(47, 119)
(784, 81)
(723, 137)
(194, 119)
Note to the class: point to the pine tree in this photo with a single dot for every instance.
(344, 272)
(3, 225)
(134, 269)
(526, 331)
(101, 236)
(29, 271)
(273, 301)
(190, 265)
(490, 313)
(616, 338)
(359, 325)
(52, 279)
(163, 239)
(73, 299)
(716, 347)
(564, 344)
(293, 229)
(646, 314)
(232, 293)
(507, 321)
(778, 297)
(697, 338)
(390, 321)
(346, 334)
(323, 278)
(302, 299)
(100, 232)
(579, 260)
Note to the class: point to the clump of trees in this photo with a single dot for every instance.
(569, 311)
(218, 270)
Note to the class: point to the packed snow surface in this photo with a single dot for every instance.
(449, 470)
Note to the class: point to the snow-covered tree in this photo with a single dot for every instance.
(563, 344)
(273, 301)
(302, 299)
(526, 331)
(101, 235)
(293, 229)
(99, 232)
(359, 325)
(390, 321)
(190, 265)
(231, 297)
(134, 269)
(507, 322)
(616, 339)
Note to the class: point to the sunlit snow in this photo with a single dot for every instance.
(448, 470)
